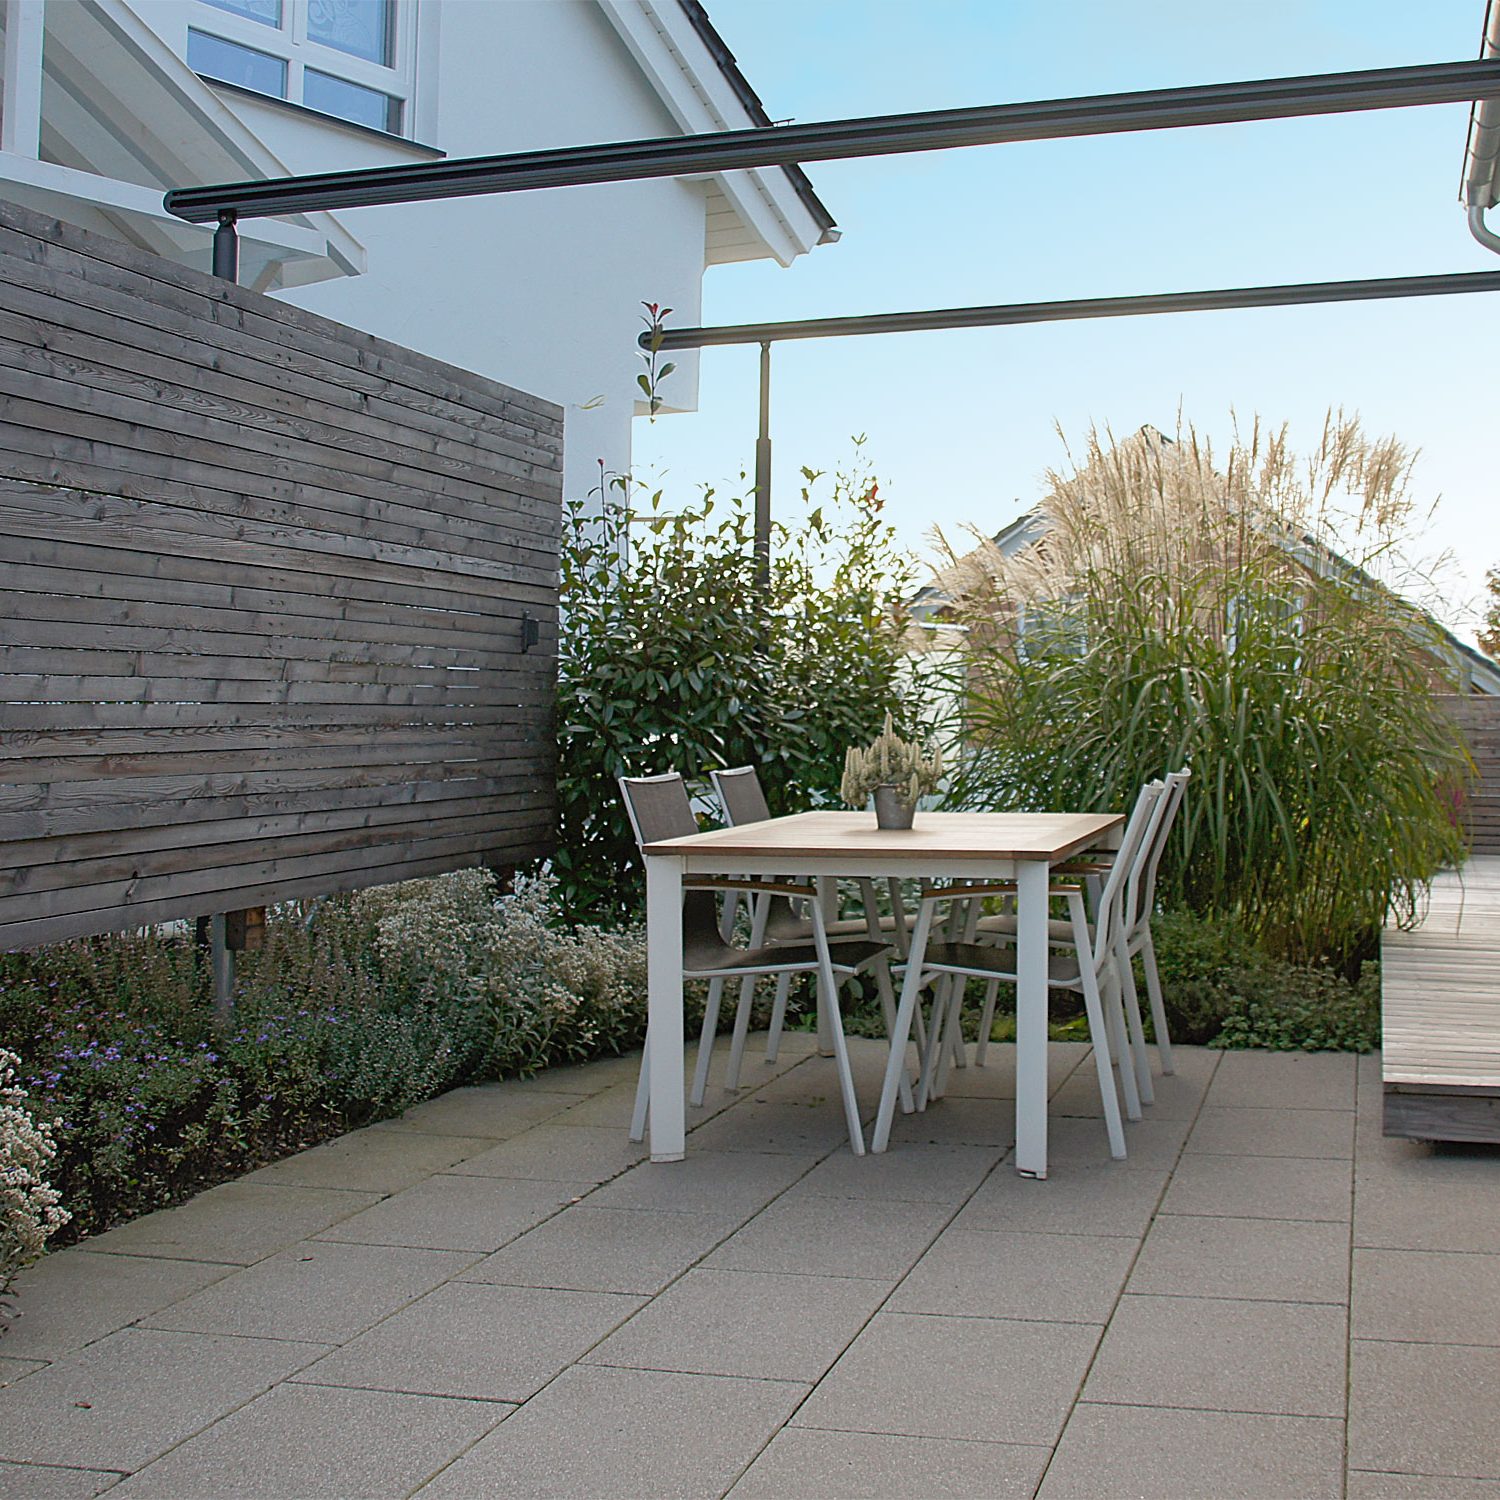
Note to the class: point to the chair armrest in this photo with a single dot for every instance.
(735, 883)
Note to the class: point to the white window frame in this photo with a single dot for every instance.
(290, 44)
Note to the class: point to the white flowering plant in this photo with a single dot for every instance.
(31, 1210)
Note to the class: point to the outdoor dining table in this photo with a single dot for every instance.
(1022, 847)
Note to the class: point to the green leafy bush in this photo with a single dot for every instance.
(1203, 618)
(1219, 988)
(675, 656)
(353, 1010)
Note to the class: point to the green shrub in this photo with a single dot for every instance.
(675, 656)
(354, 1009)
(1194, 617)
(1219, 988)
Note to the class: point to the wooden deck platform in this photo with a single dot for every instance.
(1440, 992)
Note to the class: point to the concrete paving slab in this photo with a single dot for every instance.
(318, 1443)
(458, 1213)
(1426, 1296)
(12, 1370)
(1262, 1187)
(1285, 1080)
(745, 1323)
(237, 1223)
(493, 1343)
(997, 1078)
(1279, 1358)
(1063, 1278)
(958, 1120)
(1420, 1408)
(606, 1250)
(606, 1432)
(609, 1109)
(1073, 1200)
(1193, 1455)
(1364, 1485)
(72, 1297)
(44, 1482)
(1151, 1145)
(914, 1174)
(128, 1398)
(558, 1153)
(318, 1291)
(373, 1160)
(877, 1466)
(770, 1125)
(493, 1111)
(1273, 1132)
(986, 1378)
(818, 1236)
(724, 1182)
(1278, 1260)
(1182, 1091)
(1411, 1197)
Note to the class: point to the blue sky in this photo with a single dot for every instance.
(960, 425)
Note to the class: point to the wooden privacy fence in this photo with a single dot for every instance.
(278, 600)
(1478, 718)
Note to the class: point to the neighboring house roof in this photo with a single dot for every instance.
(1474, 671)
(751, 214)
(122, 117)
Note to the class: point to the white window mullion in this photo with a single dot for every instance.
(294, 80)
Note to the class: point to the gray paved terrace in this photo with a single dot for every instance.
(494, 1296)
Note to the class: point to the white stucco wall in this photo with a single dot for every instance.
(539, 290)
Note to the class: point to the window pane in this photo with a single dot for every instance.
(349, 101)
(229, 62)
(266, 11)
(361, 28)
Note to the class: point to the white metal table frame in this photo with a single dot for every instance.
(944, 846)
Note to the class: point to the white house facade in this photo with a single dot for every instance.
(106, 104)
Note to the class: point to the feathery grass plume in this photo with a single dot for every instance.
(1180, 609)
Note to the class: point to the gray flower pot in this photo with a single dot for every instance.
(890, 810)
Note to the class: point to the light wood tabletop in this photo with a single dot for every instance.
(979, 836)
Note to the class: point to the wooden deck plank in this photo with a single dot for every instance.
(1440, 995)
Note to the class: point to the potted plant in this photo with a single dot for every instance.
(895, 771)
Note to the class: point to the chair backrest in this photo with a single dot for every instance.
(1112, 911)
(658, 808)
(1141, 899)
(741, 795)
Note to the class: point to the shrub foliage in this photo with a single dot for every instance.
(353, 1010)
(675, 656)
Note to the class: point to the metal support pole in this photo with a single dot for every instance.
(763, 476)
(227, 246)
(222, 956)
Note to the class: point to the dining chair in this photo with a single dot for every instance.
(1139, 902)
(1135, 936)
(743, 799)
(658, 808)
(1086, 963)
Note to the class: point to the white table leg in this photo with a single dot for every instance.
(664, 1005)
(1033, 876)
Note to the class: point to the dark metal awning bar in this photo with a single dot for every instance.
(830, 140)
(1293, 295)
